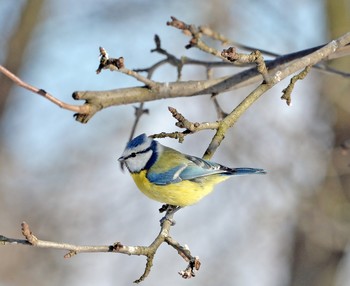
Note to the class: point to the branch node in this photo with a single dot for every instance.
(117, 246)
(182, 121)
(70, 254)
(287, 92)
(157, 42)
(29, 236)
(230, 54)
(171, 59)
(179, 24)
(196, 34)
(193, 266)
(139, 111)
(109, 63)
(254, 57)
(174, 135)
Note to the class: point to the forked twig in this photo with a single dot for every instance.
(117, 247)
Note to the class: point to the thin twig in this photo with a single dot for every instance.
(117, 247)
(43, 93)
(219, 111)
(139, 111)
(150, 83)
(95, 100)
(344, 51)
(287, 92)
(190, 127)
(254, 57)
(274, 78)
(278, 69)
(196, 35)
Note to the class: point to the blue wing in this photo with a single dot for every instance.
(192, 168)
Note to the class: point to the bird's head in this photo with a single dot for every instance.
(140, 153)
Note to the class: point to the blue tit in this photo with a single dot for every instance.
(171, 177)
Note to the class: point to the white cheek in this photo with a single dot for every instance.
(136, 164)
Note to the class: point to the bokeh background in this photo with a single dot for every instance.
(290, 227)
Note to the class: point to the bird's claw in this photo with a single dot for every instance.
(170, 211)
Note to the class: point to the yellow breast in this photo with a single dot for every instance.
(181, 194)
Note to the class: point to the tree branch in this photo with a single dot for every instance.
(98, 100)
(117, 247)
(279, 68)
(43, 93)
(287, 92)
(274, 78)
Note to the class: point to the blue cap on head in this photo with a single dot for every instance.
(137, 141)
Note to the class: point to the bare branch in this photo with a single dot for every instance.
(97, 100)
(118, 65)
(275, 78)
(219, 111)
(117, 247)
(255, 57)
(287, 92)
(190, 127)
(43, 93)
(139, 111)
(278, 69)
(196, 37)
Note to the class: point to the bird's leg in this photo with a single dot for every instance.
(163, 208)
(170, 211)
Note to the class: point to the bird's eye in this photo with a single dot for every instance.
(133, 155)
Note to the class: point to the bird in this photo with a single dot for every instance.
(171, 177)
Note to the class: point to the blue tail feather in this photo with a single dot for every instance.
(247, 171)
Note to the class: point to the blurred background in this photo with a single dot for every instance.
(290, 227)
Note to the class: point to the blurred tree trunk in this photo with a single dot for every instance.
(323, 230)
(16, 46)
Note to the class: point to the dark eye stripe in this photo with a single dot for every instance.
(132, 155)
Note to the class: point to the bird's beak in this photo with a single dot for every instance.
(122, 162)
